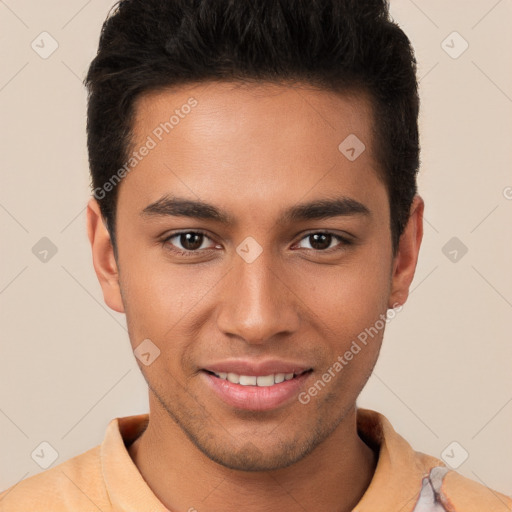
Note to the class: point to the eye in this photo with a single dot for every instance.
(187, 242)
(322, 241)
(191, 243)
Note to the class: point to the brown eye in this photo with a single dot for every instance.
(187, 242)
(322, 241)
(191, 241)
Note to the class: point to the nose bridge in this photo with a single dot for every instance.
(256, 303)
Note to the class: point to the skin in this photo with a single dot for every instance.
(254, 151)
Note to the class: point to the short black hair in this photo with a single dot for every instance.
(337, 45)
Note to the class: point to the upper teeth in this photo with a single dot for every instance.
(251, 380)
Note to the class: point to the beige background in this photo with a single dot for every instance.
(445, 369)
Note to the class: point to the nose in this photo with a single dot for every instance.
(257, 303)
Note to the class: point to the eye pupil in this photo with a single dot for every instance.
(320, 244)
(191, 241)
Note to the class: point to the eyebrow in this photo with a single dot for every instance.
(313, 210)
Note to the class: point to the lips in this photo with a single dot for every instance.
(256, 386)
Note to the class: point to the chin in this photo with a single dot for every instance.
(250, 458)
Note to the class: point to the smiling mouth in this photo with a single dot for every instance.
(260, 380)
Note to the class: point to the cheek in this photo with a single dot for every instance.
(351, 295)
(351, 304)
(351, 322)
(161, 298)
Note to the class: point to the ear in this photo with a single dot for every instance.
(404, 262)
(104, 262)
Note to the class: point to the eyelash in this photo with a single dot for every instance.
(343, 242)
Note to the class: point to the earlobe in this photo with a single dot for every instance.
(104, 261)
(404, 263)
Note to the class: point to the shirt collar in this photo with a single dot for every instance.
(127, 489)
(397, 481)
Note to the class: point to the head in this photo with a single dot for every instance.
(226, 122)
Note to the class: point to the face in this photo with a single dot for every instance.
(252, 254)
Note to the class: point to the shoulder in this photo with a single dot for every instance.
(455, 492)
(73, 485)
(401, 468)
(458, 493)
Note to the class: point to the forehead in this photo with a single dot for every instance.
(231, 107)
(252, 142)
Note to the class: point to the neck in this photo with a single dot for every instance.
(333, 477)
